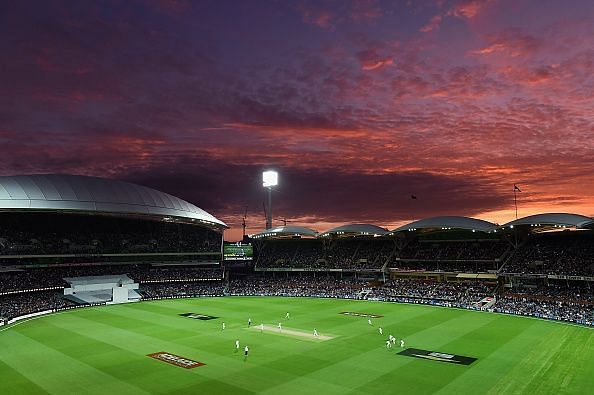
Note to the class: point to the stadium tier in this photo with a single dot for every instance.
(62, 219)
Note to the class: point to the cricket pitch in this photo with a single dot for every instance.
(291, 332)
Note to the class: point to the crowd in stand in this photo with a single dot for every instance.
(347, 254)
(569, 291)
(570, 302)
(374, 254)
(21, 280)
(556, 254)
(446, 250)
(299, 286)
(452, 294)
(549, 309)
(26, 303)
(98, 235)
(179, 290)
(571, 254)
(445, 266)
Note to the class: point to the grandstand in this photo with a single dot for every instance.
(533, 261)
(60, 232)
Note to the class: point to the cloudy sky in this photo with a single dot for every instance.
(358, 104)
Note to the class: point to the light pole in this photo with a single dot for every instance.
(269, 180)
(516, 189)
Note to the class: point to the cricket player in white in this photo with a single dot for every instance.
(401, 342)
(287, 316)
(245, 353)
(393, 339)
(315, 332)
(249, 322)
(280, 326)
(236, 345)
(223, 326)
(369, 321)
(388, 344)
(381, 331)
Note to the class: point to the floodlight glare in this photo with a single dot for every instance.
(269, 178)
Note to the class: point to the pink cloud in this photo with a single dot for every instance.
(511, 42)
(370, 59)
(432, 25)
(470, 9)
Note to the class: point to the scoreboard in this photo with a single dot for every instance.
(238, 252)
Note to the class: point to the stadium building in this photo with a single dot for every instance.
(56, 227)
(71, 242)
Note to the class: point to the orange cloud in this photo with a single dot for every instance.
(511, 42)
(377, 64)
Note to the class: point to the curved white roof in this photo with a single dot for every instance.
(286, 231)
(553, 219)
(55, 192)
(449, 222)
(356, 229)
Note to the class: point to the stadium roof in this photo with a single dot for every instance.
(553, 220)
(286, 231)
(70, 193)
(356, 230)
(448, 223)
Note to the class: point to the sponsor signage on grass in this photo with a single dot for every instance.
(198, 316)
(366, 315)
(437, 356)
(176, 360)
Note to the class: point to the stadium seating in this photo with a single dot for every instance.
(536, 279)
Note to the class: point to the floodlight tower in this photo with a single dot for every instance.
(269, 180)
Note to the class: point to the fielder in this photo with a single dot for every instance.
(388, 344)
(287, 316)
(381, 331)
(246, 350)
(369, 322)
(223, 326)
(315, 333)
(249, 322)
(236, 345)
(280, 327)
(401, 343)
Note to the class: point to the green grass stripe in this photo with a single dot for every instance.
(103, 350)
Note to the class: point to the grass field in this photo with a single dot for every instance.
(103, 350)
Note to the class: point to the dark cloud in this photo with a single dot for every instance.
(325, 195)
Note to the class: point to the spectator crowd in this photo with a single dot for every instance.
(44, 234)
(556, 301)
(31, 279)
(565, 254)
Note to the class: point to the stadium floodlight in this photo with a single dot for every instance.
(269, 180)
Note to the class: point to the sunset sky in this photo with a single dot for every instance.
(357, 104)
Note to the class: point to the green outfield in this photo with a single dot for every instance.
(104, 350)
